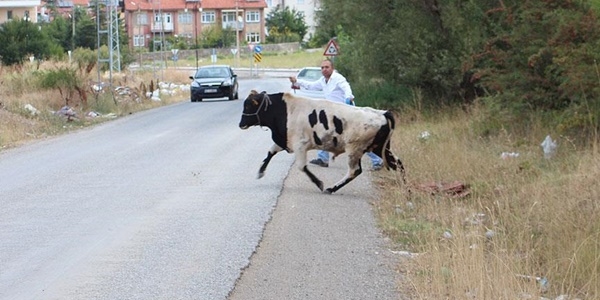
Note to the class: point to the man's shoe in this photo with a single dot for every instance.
(377, 167)
(319, 162)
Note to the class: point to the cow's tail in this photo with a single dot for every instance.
(390, 161)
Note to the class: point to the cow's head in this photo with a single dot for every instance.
(254, 105)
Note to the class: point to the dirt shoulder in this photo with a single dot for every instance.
(320, 246)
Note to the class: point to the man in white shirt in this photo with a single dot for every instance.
(336, 88)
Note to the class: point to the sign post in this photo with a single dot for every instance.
(332, 48)
(257, 57)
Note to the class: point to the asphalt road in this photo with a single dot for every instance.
(165, 204)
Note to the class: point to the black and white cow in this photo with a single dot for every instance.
(300, 124)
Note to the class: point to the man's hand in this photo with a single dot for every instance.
(293, 80)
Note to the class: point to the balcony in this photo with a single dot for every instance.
(232, 25)
(166, 27)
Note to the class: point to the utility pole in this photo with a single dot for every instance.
(136, 41)
(237, 35)
(197, 11)
(73, 30)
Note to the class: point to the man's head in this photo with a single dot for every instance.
(327, 68)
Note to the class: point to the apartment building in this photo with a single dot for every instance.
(189, 18)
(11, 10)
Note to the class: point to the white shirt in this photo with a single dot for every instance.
(336, 89)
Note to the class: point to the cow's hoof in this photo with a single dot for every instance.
(328, 191)
(320, 185)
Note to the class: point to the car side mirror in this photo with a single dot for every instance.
(192, 77)
(234, 75)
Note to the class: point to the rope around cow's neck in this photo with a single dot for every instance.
(265, 100)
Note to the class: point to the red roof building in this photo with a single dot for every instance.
(150, 20)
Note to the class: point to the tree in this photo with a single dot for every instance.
(285, 25)
(85, 33)
(520, 57)
(19, 40)
(58, 32)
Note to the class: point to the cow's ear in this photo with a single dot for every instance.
(253, 92)
(263, 92)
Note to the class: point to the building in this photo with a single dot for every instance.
(10, 10)
(144, 19)
(306, 7)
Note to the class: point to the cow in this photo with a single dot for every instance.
(299, 124)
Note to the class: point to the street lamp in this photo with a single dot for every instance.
(72, 15)
(139, 26)
(196, 32)
(238, 19)
(237, 39)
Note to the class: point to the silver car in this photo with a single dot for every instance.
(309, 74)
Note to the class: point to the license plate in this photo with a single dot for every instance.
(210, 90)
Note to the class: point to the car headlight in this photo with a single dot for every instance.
(226, 83)
(195, 84)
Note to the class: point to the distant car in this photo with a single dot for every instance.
(215, 81)
(309, 74)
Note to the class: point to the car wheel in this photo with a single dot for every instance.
(231, 95)
(236, 96)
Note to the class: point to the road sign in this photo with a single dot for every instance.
(251, 47)
(233, 51)
(257, 57)
(258, 48)
(332, 48)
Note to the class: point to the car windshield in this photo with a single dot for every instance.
(212, 73)
(310, 74)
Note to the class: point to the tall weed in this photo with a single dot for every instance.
(526, 220)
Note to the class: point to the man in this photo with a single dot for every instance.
(337, 89)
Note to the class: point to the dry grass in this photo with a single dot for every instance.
(19, 88)
(524, 216)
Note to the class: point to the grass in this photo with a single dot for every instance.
(295, 60)
(524, 216)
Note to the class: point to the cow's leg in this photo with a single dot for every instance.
(395, 163)
(274, 150)
(301, 161)
(354, 169)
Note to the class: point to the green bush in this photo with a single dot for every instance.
(63, 79)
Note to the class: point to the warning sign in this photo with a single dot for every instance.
(332, 48)
(257, 57)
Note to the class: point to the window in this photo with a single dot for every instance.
(269, 3)
(141, 19)
(9, 15)
(252, 17)
(185, 18)
(139, 41)
(229, 17)
(253, 37)
(208, 17)
(166, 17)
